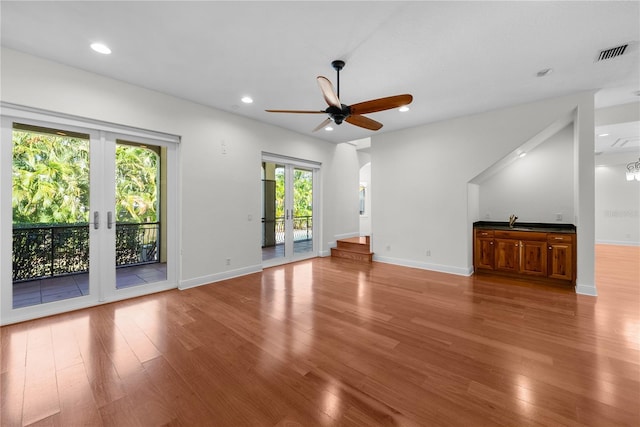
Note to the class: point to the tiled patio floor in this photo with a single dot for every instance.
(42, 291)
(277, 251)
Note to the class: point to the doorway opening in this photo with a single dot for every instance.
(90, 212)
(288, 206)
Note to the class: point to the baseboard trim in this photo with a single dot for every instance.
(589, 290)
(425, 265)
(212, 278)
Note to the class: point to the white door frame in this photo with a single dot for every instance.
(102, 240)
(290, 164)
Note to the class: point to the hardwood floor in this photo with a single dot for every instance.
(332, 342)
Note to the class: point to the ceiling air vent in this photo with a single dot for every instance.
(612, 53)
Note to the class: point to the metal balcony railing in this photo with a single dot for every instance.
(302, 229)
(60, 249)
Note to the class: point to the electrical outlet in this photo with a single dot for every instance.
(428, 252)
(559, 217)
(388, 247)
(228, 261)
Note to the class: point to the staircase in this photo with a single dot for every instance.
(355, 248)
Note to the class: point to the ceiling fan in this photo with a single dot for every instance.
(353, 114)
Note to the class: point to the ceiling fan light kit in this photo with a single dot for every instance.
(352, 114)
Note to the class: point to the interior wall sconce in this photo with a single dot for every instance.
(633, 171)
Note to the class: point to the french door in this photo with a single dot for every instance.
(289, 209)
(88, 212)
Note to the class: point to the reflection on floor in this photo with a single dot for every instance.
(331, 342)
(277, 251)
(52, 289)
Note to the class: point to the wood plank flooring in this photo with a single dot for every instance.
(328, 342)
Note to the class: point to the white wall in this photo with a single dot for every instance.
(341, 193)
(365, 219)
(218, 191)
(421, 176)
(536, 188)
(617, 201)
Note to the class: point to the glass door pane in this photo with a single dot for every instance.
(50, 215)
(302, 211)
(140, 190)
(273, 211)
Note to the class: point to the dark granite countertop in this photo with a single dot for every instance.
(527, 226)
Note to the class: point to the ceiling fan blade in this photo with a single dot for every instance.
(295, 111)
(381, 104)
(327, 91)
(363, 122)
(323, 124)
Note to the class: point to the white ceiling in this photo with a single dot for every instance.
(456, 58)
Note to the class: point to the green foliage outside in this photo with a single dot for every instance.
(137, 181)
(302, 193)
(51, 180)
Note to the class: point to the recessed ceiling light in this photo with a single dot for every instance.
(544, 72)
(247, 100)
(101, 48)
(604, 134)
(522, 155)
(328, 128)
(403, 109)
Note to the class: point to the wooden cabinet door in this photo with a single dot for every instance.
(484, 253)
(533, 258)
(561, 254)
(507, 255)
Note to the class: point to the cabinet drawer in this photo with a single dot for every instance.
(559, 238)
(521, 235)
(484, 233)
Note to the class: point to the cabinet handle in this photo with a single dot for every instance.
(491, 243)
(550, 248)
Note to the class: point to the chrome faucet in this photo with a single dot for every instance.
(512, 220)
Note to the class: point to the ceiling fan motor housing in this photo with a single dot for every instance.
(338, 114)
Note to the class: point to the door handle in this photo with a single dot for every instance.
(287, 213)
(109, 220)
(96, 220)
